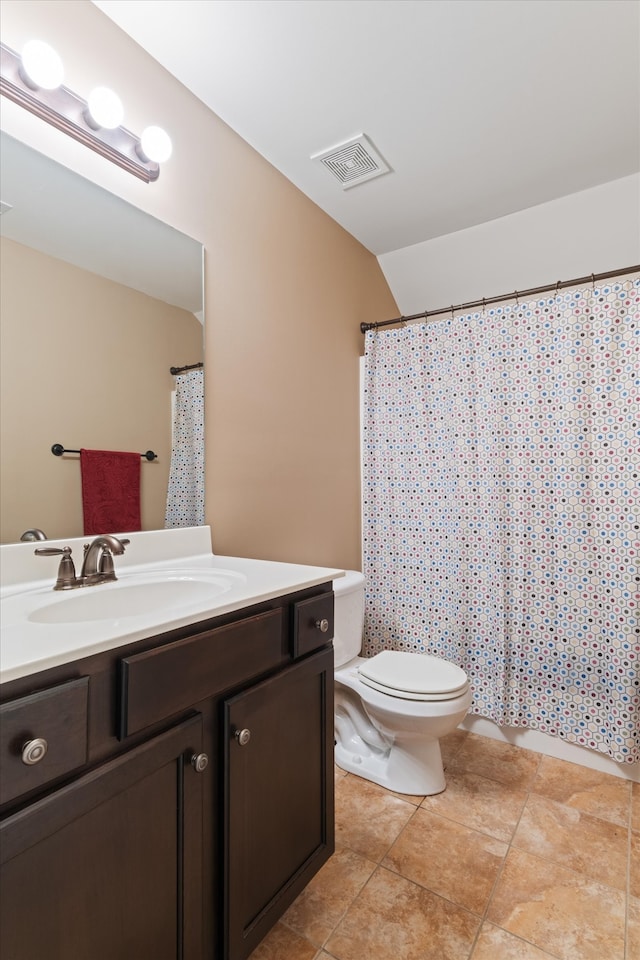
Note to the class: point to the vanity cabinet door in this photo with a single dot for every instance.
(109, 867)
(279, 817)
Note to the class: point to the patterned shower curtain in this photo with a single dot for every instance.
(501, 507)
(185, 496)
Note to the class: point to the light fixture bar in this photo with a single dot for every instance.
(66, 111)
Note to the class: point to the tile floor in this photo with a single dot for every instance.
(523, 857)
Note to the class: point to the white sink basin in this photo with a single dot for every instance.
(168, 579)
(135, 596)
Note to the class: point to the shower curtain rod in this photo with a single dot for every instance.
(191, 366)
(514, 295)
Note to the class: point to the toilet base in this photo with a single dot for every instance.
(389, 741)
(417, 771)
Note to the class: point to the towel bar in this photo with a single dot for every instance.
(57, 450)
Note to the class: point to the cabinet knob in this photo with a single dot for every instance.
(322, 625)
(243, 736)
(33, 751)
(199, 762)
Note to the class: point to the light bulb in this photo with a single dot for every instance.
(41, 65)
(156, 144)
(105, 109)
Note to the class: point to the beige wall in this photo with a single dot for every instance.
(285, 291)
(84, 362)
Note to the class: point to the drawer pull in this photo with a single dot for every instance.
(199, 762)
(33, 751)
(243, 736)
(322, 625)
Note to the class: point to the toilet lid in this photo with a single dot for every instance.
(413, 676)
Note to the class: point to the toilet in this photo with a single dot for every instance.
(391, 709)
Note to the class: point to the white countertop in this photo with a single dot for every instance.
(28, 645)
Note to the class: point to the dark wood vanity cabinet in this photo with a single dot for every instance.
(196, 801)
(110, 866)
(278, 810)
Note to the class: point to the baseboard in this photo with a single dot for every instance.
(552, 747)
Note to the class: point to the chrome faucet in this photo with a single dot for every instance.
(97, 566)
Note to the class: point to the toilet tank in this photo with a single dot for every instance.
(348, 616)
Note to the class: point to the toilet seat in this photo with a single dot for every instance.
(413, 676)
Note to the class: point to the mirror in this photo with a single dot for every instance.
(98, 301)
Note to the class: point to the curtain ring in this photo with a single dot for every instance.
(483, 304)
(593, 283)
(452, 317)
(557, 288)
(517, 300)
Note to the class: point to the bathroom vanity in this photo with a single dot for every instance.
(184, 796)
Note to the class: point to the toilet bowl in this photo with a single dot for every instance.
(392, 709)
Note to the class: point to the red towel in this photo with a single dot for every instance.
(110, 491)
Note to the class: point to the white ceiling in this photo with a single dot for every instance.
(481, 107)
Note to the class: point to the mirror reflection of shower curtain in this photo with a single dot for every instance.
(185, 495)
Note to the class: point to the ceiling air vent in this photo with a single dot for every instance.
(353, 162)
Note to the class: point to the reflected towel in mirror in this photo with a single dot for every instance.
(110, 491)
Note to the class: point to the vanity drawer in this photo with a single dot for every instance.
(312, 624)
(166, 680)
(58, 717)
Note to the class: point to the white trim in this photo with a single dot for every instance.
(552, 747)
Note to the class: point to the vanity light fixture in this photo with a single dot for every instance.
(104, 109)
(35, 82)
(41, 66)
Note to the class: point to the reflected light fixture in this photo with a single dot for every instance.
(35, 82)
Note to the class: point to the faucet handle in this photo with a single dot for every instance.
(66, 571)
(105, 564)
